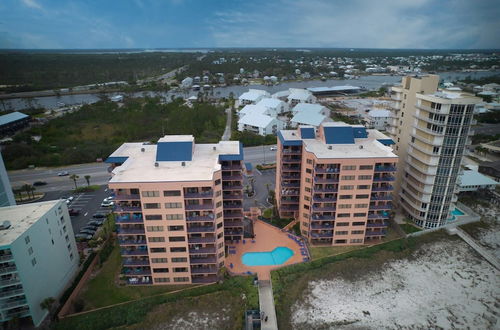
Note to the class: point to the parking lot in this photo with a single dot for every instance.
(262, 182)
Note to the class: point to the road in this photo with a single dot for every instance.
(227, 131)
(99, 172)
(487, 129)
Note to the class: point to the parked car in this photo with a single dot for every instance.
(90, 227)
(83, 237)
(99, 216)
(87, 231)
(39, 183)
(107, 204)
(95, 222)
(63, 173)
(73, 212)
(273, 148)
(108, 199)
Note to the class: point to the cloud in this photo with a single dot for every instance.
(31, 4)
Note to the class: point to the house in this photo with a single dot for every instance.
(12, 122)
(310, 108)
(252, 96)
(378, 119)
(259, 123)
(274, 106)
(473, 180)
(299, 95)
(117, 98)
(309, 118)
(187, 82)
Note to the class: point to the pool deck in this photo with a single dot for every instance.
(267, 238)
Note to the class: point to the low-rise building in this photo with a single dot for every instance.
(309, 114)
(38, 257)
(13, 122)
(252, 96)
(378, 119)
(300, 95)
(471, 180)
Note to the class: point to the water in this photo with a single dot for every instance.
(368, 82)
(278, 256)
(457, 212)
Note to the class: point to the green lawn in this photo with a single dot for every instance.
(320, 252)
(103, 290)
(409, 228)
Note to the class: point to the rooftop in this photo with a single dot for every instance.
(140, 160)
(11, 117)
(270, 102)
(379, 113)
(308, 118)
(253, 94)
(333, 89)
(299, 94)
(474, 178)
(22, 217)
(256, 119)
(308, 107)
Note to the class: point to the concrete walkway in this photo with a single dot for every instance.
(227, 132)
(266, 302)
(479, 249)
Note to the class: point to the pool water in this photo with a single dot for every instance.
(457, 212)
(278, 256)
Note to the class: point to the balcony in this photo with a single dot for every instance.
(291, 160)
(324, 208)
(233, 214)
(376, 224)
(131, 231)
(13, 304)
(291, 152)
(18, 313)
(322, 217)
(124, 219)
(289, 207)
(127, 197)
(136, 252)
(326, 170)
(325, 200)
(381, 198)
(316, 225)
(11, 293)
(131, 242)
(232, 196)
(202, 194)
(192, 207)
(230, 206)
(6, 257)
(428, 131)
(384, 178)
(285, 168)
(201, 239)
(205, 250)
(232, 187)
(208, 260)
(290, 177)
(135, 262)
(322, 235)
(7, 270)
(230, 224)
(119, 208)
(385, 169)
(290, 185)
(9, 282)
(232, 178)
(383, 215)
(290, 192)
(376, 233)
(210, 218)
(201, 229)
(325, 190)
(204, 270)
(396, 97)
(387, 206)
(136, 272)
(325, 180)
(383, 188)
(231, 167)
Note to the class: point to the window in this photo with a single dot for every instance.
(173, 205)
(364, 177)
(344, 206)
(348, 187)
(158, 250)
(152, 205)
(308, 170)
(33, 262)
(156, 239)
(363, 186)
(217, 182)
(27, 239)
(309, 161)
(171, 193)
(181, 279)
(179, 259)
(308, 180)
(153, 217)
(359, 215)
(175, 217)
(219, 204)
(357, 232)
(342, 224)
(341, 232)
(177, 249)
(361, 206)
(357, 240)
(307, 198)
(175, 228)
(154, 228)
(218, 193)
(219, 225)
(160, 270)
(307, 189)
(219, 235)
(366, 167)
(67, 238)
(348, 177)
(306, 207)
(159, 260)
(30, 251)
(345, 197)
(358, 223)
(162, 280)
(340, 241)
(349, 167)
(343, 215)
(177, 239)
(362, 196)
(180, 270)
(150, 194)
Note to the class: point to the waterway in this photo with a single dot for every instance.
(373, 82)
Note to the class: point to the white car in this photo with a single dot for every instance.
(273, 148)
(63, 173)
(107, 204)
(108, 199)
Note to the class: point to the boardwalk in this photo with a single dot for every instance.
(266, 302)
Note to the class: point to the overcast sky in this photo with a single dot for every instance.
(254, 23)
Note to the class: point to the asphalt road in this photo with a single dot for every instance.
(487, 129)
(99, 172)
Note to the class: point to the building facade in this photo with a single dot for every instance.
(6, 195)
(337, 181)
(431, 129)
(38, 257)
(176, 204)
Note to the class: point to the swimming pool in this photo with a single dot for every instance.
(278, 256)
(457, 212)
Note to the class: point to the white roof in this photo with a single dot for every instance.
(308, 118)
(140, 165)
(270, 103)
(252, 109)
(281, 94)
(253, 95)
(474, 178)
(256, 119)
(299, 94)
(379, 113)
(21, 217)
(308, 107)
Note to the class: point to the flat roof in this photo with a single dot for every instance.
(379, 113)
(22, 217)
(140, 165)
(11, 117)
(333, 89)
(474, 178)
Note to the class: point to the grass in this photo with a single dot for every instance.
(290, 283)
(409, 228)
(87, 189)
(321, 252)
(475, 229)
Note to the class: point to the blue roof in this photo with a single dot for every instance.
(339, 134)
(360, 132)
(174, 151)
(120, 160)
(248, 166)
(12, 117)
(288, 142)
(307, 132)
(386, 142)
(229, 157)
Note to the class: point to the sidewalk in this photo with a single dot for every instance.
(266, 302)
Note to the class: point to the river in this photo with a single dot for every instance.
(369, 82)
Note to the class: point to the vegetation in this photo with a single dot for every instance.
(337, 116)
(289, 283)
(409, 228)
(96, 130)
(321, 252)
(483, 138)
(250, 139)
(87, 189)
(489, 117)
(482, 81)
(475, 229)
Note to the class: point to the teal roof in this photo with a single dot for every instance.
(12, 117)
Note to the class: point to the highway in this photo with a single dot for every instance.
(99, 172)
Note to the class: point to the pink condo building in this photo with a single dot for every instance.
(176, 204)
(337, 181)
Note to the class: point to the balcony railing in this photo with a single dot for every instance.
(323, 218)
(127, 197)
(324, 208)
(325, 180)
(119, 208)
(322, 235)
(291, 152)
(208, 206)
(387, 206)
(385, 169)
(201, 229)
(375, 233)
(136, 272)
(201, 218)
(127, 219)
(290, 185)
(9, 282)
(131, 242)
(205, 250)
(6, 257)
(232, 187)
(231, 167)
(291, 160)
(325, 200)
(319, 225)
(203, 194)
(137, 252)
(13, 304)
(133, 262)
(208, 260)
(290, 169)
(6, 270)
(381, 198)
(383, 188)
(384, 178)
(204, 270)
(201, 239)
(232, 196)
(327, 170)
(378, 216)
(232, 177)
(290, 177)
(229, 206)
(131, 231)
(9, 293)
(205, 279)
(230, 223)
(377, 224)
(289, 207)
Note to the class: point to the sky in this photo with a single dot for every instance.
(94, 24)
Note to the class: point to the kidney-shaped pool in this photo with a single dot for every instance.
(278, 256)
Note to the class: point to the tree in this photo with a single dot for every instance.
(47, 303)
(87, 178)
(74, 177)
(29, 189)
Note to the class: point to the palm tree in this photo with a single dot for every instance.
(74, 177)
(32, 190)
(87, 178)
(27, 188)
(18, 192)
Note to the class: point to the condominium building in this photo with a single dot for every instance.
(431, 130)
(176, 203)
(337, 181)
(6, 195)
(38, 258)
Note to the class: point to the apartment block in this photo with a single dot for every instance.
(431, 129)
(337, 181)
(38, 258)
(176, 203)
(6, 195)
